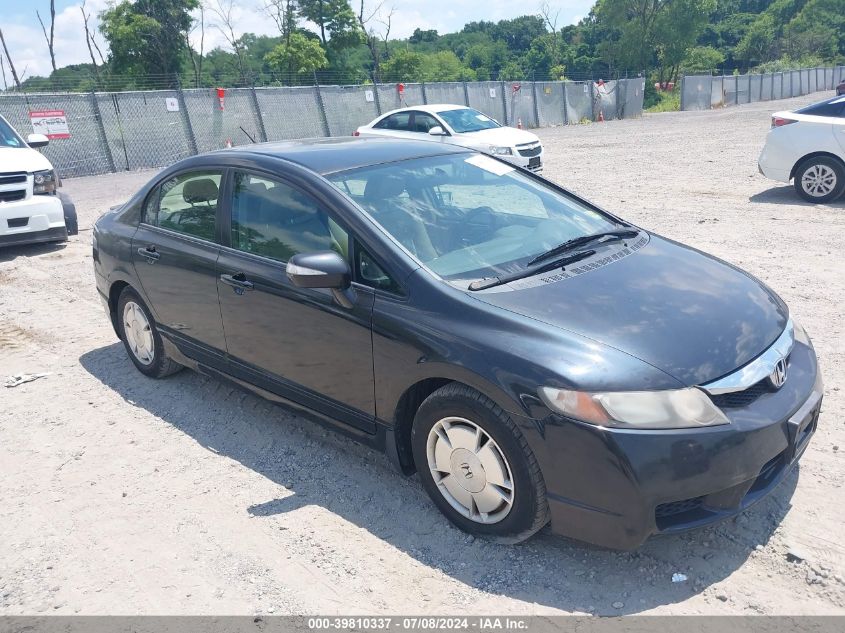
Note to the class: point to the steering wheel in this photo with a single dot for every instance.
(474, 216)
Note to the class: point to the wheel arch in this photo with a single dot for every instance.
(801, 161)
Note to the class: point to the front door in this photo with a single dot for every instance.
(175, 254)
(313, 351)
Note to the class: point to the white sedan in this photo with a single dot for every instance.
(808, 146)
(462, 126)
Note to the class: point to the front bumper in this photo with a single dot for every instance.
(31, 220)
(617, 487)
(531, 163)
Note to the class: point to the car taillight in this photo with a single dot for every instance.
(778, 121)
(356, 133)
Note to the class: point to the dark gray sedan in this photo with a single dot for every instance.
(533, 357)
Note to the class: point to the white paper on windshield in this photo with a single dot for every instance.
(839, 100)
(482, 117)
(489, 164)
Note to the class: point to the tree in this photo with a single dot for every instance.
(756, 44)
(51, 38)
(299, 55)
(404, 65)
(702, 59)
(9, 59)
(147, 37)
(335, 20)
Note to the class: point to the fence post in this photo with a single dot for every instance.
(565, 112)
(536, 107)
(102, 131)
(262, 131)
(376, 95)
(186, 119)
(593, 100)
(325, 120)
(683, 85)
(504, 101)
(466, 95)
(424, 95)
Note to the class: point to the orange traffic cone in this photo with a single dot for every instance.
(601, 116)
(228, 143)
(519, 123)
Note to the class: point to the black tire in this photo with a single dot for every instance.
(160, 365)
(529, 510)
(831, 166)
(71, 219)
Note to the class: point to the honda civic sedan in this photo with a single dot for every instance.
(531, 356)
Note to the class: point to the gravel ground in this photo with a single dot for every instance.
(125, 495)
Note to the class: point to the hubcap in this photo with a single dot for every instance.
(470, 470)
(819, 180)
(139, 335)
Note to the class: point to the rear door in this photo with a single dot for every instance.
(296, 342)
(397, 125)
(175, 251)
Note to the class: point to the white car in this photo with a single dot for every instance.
(31, 209)
(808, 146)
(462, 126)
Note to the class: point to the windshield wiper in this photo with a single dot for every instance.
(483, 284)
(560, 249)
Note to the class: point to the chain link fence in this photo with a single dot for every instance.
(703, 92)
(117, 131)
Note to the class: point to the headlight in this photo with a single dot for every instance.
(673, 409)
(45, 182)
(800, 333)
(502, 151)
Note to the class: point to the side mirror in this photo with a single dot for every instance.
(324, 269)
(37, 140)
(437, 131)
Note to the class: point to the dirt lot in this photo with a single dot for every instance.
(124, 495)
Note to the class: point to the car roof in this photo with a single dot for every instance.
(834, 100)
(330, 155)
(432, 108)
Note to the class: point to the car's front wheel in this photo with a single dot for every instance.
(477, 467)
(141, 338)
(820, 179)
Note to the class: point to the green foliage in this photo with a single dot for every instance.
(702, 59)
(298, 55)
(147, 37)
(664, 102)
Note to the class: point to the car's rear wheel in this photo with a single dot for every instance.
(820, 179)
(477, 467)
(141, 338)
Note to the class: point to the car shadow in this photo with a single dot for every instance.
(320, 467)
(9, 253)
(786, 195)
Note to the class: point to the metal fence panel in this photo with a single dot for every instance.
(84, 153)
(634, 92)
(777, 86)
(290, 112)
(550, 105)
(755, 88)
(215, 127)
(766, 87)
(696, 92)
(486, 97)
(605, 97)
(743, 89)
(347, 108)
(813, 83)
(389, 97)
(520, 104)
(446, 92)
(579, 105)
(717, 92)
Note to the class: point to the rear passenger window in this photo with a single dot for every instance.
(275, 220)
(187, 204)
(398, 121)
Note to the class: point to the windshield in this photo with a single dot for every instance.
(468, 216)
(467, 120)
(8, 137)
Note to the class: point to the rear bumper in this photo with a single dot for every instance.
(616, 488)
(55, 234)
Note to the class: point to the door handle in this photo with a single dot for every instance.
(150, 253)
(238, 281)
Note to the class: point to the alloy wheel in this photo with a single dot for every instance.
(818, 180)
(138, 333)
(470, 470)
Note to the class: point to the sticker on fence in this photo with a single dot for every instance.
(172, 104)
(369, 96)
(50, 123)
(492, 93)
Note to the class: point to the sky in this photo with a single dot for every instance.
(28, 48)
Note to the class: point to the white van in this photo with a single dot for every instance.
(31, 208)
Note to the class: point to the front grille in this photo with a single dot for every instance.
(742, 398)
(678, 507)
(12, 178)
(530, 151)
(11, 196)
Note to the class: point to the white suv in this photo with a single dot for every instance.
(31, 209)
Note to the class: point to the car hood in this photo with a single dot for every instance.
(686, 313)
(504, 136)
(22, 159)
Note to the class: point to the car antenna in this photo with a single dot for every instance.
(252, 140)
